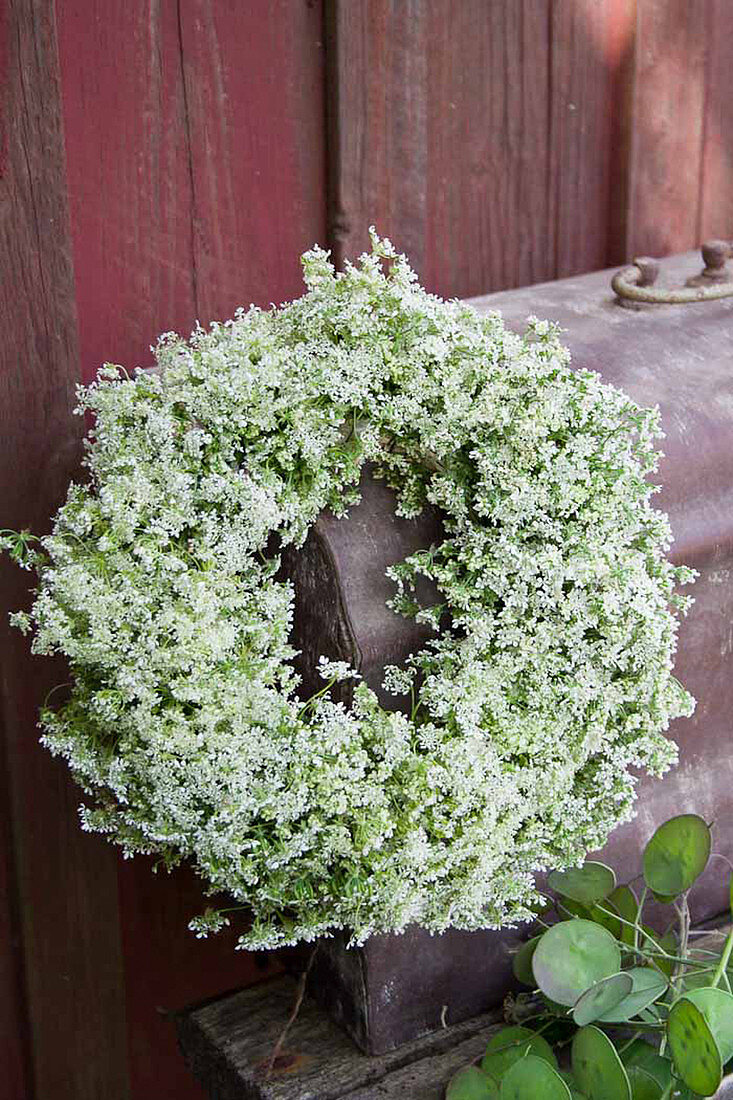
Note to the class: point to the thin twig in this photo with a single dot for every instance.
(299, 995)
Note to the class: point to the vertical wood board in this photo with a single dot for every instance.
(66, 933)
(667, 142)
(491, 141)
(195, 147)
(716, 198)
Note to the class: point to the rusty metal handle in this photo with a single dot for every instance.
(715, 281)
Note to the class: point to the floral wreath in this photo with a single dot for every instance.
(528, 712)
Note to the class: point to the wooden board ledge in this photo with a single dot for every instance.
(226, 1044)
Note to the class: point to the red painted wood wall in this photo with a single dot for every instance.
(167, 160)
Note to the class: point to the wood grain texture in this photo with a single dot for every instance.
(196, 162)
(254, 120)
(668, 130)
(195, 147)
(591, 46)
(489, 140)
(227, 1042)
(489, 223)
(716, 199)
(378, 102)
(63, 883)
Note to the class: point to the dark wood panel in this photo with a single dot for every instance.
(254, 122)
(66, 933)
(490, 140)
(168, 968)
(378, 106)
(196, 162)
(15, 1039)
(668, 112)
(195, 139)
(489, 210)
(716, 199)
(128, 176)
(439, 137)
(592, 50)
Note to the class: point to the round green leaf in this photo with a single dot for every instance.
(643, 1085)
(597, 1067)
(602, 997)
(640, 1053)
(717, 1007)
(694, 1050)
(626, 904)
(647, 985)
(605, 914)
(469, 1083)
(533, 1077)
(570, 1082)
(587, 884)
(571, 957)
(509, 1045)
(676, 854)
(522, 961)
(569, 909)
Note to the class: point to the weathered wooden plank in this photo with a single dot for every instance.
(621, 46)
(196, 164)
(716, 199)
(15, 1047)
(228, 1043)
(128, 176)
(440, 137)
(253, 80)
(667, 144)
(486, 139)
(589, 105)
(488, 208)
(67, 933)
(378, 104)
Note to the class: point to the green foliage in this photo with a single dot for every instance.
(470, 1083)
(533, 1077)
(571, 957)
(511, 1044)
(648, 1015)
(597, 1067)
(587, 884)
(522, 961)
(643, 1086)
(601, 998)
(695, 1053)
(647, 986)
(676, 855)
(546, 686)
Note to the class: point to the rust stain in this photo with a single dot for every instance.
(283, 1065)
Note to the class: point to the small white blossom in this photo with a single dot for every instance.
(336, 670)
(546, 685)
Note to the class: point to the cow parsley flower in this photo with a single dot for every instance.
(548, 680)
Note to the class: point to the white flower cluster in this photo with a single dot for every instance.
(549, 682)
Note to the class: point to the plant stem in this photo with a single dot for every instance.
(300, 994)
(724, 958)
(679, 970)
